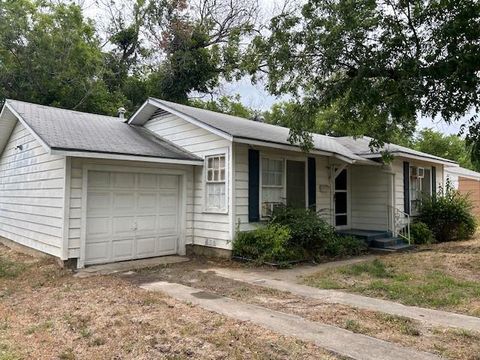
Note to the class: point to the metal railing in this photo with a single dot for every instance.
(399, 223)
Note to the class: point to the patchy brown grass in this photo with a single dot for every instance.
(449, 343)
(444, 276)
(45, 313)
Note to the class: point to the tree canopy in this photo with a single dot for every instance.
(380, 62)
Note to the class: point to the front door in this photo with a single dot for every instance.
(341, 199)
(296, 184)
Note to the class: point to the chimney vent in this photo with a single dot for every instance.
(121, 113)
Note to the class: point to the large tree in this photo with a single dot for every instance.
(51, 55)
(382, 62)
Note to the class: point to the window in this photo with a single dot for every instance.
(216, 199)
(420, 186)
(272, 184)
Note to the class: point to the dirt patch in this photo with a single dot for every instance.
(45, 313)
(446, 342)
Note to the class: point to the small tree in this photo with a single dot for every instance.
(448, 214)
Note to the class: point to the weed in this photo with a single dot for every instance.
(353, 326)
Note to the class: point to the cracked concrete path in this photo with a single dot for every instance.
(339, 341)
(427, 316)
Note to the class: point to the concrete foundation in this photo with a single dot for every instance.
(207, 251)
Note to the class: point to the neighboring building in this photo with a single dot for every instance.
(98, 189)
(467, 182)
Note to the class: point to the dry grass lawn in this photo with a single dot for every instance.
(45, 313)
(450, 343)
(442, 276)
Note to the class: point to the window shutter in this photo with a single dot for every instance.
(253, 185)
(406, 187)
(312, 183)
(434, 180)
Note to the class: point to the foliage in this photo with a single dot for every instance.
(448, 214)
(421, 234)
(342, 246)
(447, 146)
(307, 229)
(230, 105)
(382, 63)
(50, 54)
(270, 243)
(9, 269)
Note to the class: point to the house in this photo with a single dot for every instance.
(92, 189)
(467, 182)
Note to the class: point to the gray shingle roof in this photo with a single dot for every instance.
(361, 147)
(247, 129)
(71, 130)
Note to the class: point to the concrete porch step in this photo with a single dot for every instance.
(378, 240)
(367, 235)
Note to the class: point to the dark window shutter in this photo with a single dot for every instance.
(406, 187)
(434, 180)
(312, 183)
(253, 185)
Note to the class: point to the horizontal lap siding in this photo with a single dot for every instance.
(209, 229)
(323, 189)
(76, 193)
(369, 198)
(31, 194)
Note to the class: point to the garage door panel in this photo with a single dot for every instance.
(168, 181)
(167, 224)
(98, 179)
(98, 227)
(123, 226)
(122, 249)
(146, 224)
(97, 252)
(166, 245)
(147, 201)
(98, 202)
(123, 180)
(168, 203)
(146, 246)
(131, 216)
(147, 181)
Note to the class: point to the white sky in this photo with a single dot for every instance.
(254, 95)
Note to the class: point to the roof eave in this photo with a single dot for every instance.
(128, 157)
(412, 156)
(290, 147)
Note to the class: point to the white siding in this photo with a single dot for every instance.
(369, 197)
(323, 192)
(31, 194)
(76, 193)
(210, 229)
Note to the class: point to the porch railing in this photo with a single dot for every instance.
(399, 223)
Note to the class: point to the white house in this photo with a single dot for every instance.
(95, 189)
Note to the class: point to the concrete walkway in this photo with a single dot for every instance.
(339, 341)
(428, 316)
(112, 268)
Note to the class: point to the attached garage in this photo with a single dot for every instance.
(131, 215)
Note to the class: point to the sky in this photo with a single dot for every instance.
(254, 95)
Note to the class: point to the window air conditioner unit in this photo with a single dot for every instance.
(421, 172)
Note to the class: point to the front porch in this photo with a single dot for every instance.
(378, 240)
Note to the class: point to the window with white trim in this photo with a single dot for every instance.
(215, 183)
(420, 186)
(273, 189)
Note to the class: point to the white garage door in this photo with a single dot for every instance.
(131, 216)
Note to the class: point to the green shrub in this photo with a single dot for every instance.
(268, 243)
(421, 234)
(448, 215)
(340, 246)
(307, 229)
